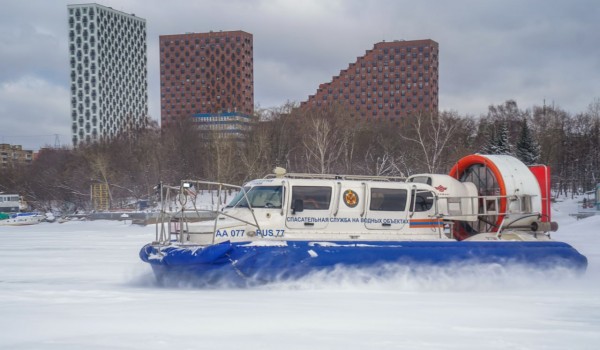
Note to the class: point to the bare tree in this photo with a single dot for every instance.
(383, 164)
(329, 137)
(431, 133)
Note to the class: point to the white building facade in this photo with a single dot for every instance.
(109, 83)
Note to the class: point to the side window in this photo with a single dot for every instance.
(314, 197)
(422, 200)
(388, 199)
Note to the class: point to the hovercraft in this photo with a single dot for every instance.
(490, 209)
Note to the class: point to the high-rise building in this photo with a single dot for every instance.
(109, 85)
(391, 82)
(207, 76)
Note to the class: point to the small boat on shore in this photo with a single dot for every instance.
(490, 209)
(19, 219)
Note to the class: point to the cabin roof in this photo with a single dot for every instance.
(337, 177)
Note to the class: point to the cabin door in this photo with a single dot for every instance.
(422, 209)
(386, 208)
(309, 208)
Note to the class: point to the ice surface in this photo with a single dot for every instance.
(81, 285)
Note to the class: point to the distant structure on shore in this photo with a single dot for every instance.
(391, 82)
(208, 77)
(14, 154)
(109, 84)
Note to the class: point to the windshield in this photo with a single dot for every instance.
(259, 197)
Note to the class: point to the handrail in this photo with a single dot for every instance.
(338, 177)
(490, 198)
(163, 236)
(364, 204)
(337, 197)
(249, 208)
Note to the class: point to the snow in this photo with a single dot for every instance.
(81, 285)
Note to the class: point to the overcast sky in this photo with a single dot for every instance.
(490, 51)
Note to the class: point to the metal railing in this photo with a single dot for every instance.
(176, 222)
(338, 177)
(490, 206)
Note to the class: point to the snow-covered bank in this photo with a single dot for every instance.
(81, 285)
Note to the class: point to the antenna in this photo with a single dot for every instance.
(544, 109)
(56, 141)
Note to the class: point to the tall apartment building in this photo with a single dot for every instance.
(109, 85)
(208, 76)
(389, 83)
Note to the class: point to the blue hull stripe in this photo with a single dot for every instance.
(294, 259)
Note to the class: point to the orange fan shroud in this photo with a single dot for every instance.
(475, 159)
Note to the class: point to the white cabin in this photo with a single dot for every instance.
(11, 203)
(362, 208)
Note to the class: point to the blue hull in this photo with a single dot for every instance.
(241, 262)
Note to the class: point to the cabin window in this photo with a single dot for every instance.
(314, 197)
(388, 199)
(422, 179)
(259, 197)
(422, 200)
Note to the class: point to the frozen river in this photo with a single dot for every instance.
(81, 285)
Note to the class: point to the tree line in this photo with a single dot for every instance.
(324, 140)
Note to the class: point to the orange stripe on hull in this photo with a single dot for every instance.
(426, 223)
